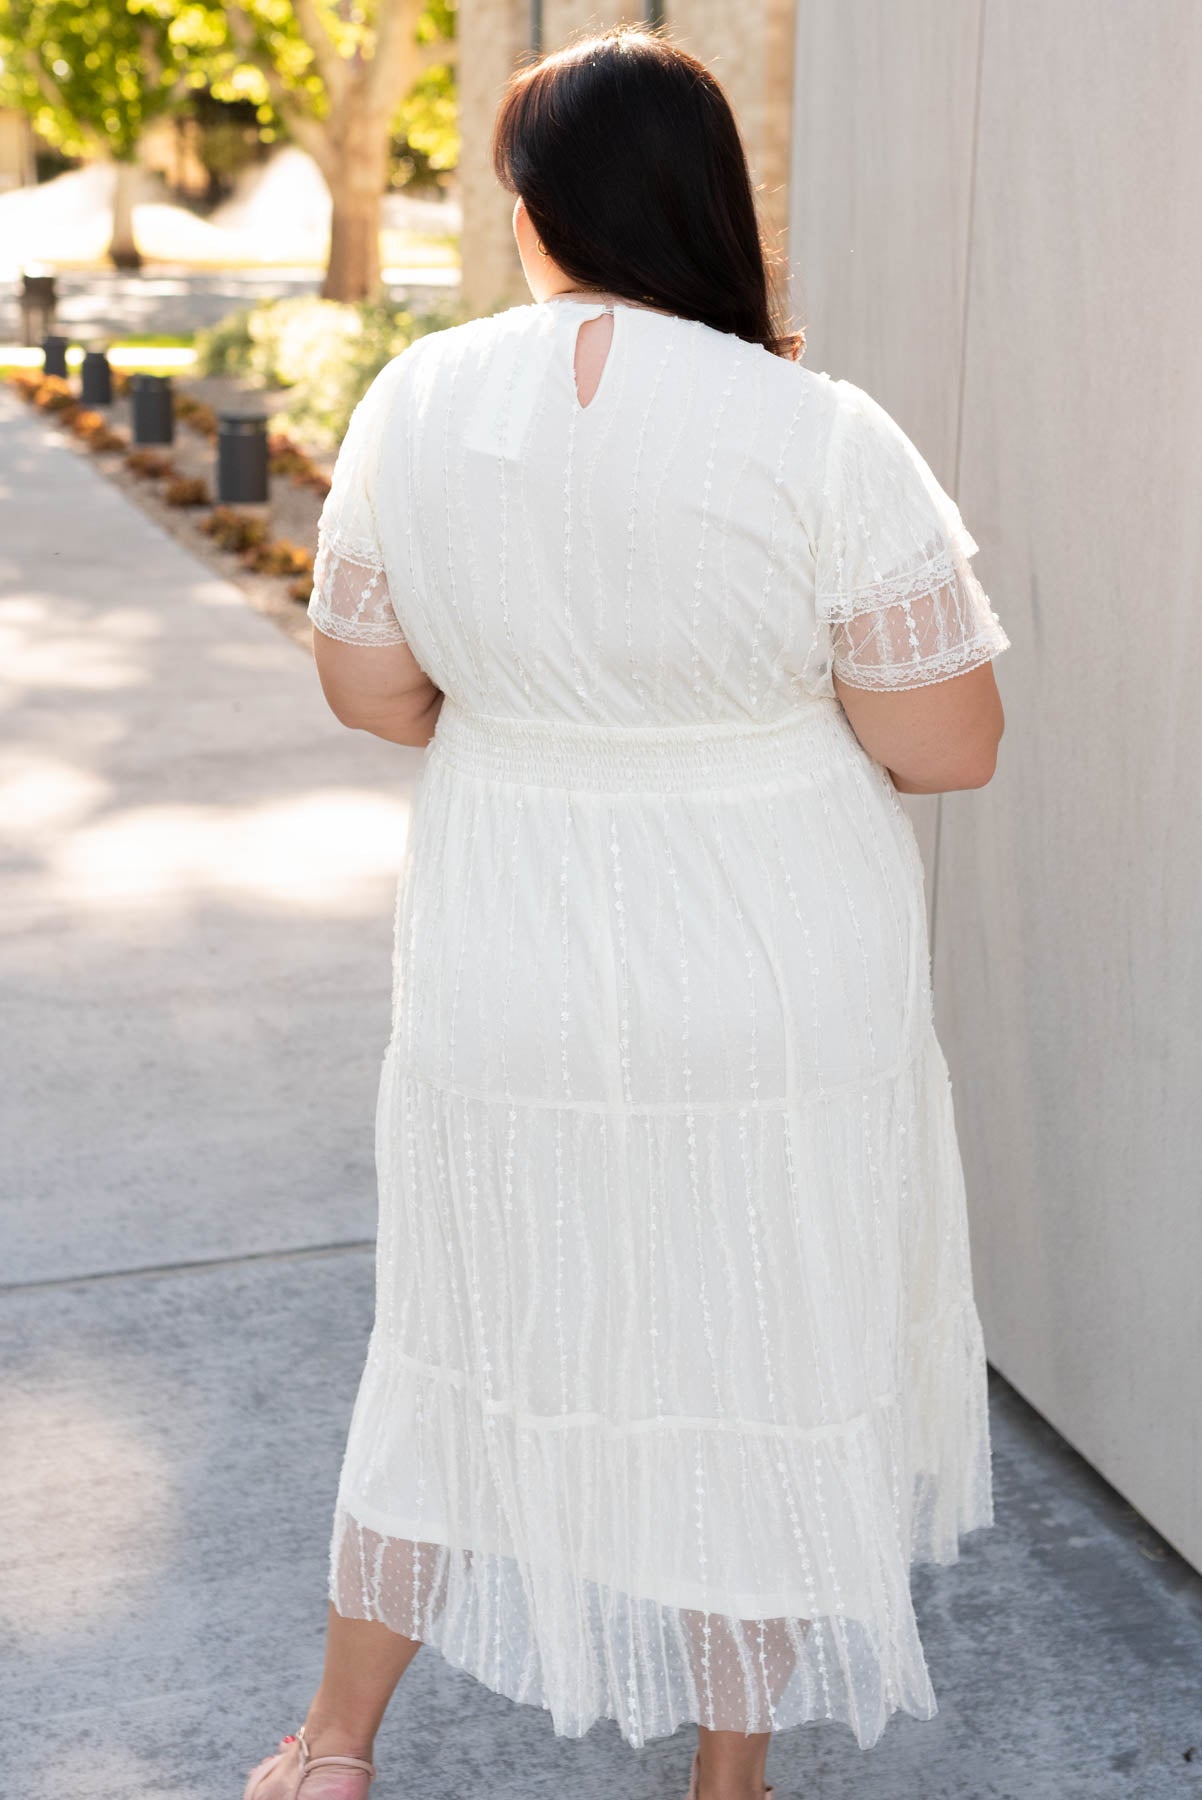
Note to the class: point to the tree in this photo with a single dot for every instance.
(91, 74)
(336, 78)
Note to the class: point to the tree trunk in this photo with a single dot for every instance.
(123, 251)
(356, 179)
(353, 271)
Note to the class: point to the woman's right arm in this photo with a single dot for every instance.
(931, 739)
(911, 633)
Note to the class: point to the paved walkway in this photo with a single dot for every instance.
(194, 978)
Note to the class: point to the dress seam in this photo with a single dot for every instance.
(677, 1108)
(380, 1352)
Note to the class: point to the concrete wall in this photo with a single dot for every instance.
(994, 229)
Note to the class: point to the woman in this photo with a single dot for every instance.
(675, 1367)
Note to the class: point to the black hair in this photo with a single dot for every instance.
(627, 156)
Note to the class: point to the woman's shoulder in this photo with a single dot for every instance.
(474, 334)
(804, 402)
(459, 347)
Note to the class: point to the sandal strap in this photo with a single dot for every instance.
(309, 1762)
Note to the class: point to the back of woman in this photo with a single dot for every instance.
(676, 1368)
(645, 559)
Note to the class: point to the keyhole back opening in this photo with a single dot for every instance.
(594, 343)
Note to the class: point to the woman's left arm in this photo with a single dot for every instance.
(370, 676)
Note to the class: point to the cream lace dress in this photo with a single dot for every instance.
(675, 1366)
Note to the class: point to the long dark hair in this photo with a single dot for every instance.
(626, 153)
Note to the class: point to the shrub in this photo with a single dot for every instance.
(195, 413)
(281, 558)
(287, 458)
(151, 465)
(325, 352)
(300, 591)
(53, 394)
(26, 381)
(93, 428)
(187, 491)
(225, 348)
(234, 530)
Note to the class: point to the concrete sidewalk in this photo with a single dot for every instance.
(194, 976)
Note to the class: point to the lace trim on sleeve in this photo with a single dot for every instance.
(350, 599)
(913, 629)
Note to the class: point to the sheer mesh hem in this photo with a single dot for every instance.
(858, 1504)
(351, 599)
(476, 1609)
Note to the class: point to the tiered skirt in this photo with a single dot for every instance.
(675, 1368)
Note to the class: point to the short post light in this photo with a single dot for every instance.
(152, 409)
(39, 300)
(54, 356)
(96, 379)
(241, 459)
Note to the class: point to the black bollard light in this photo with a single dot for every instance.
(54, 357)
(39, 298)
(152, 406)
(241, 459)
(96, 379)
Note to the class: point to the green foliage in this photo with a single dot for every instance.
(428, 123)
(256, 52)
(324, 352)
(253, 53)
(91, 74)
(225, 348)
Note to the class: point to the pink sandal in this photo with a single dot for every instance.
(310, 1765)
(692, 1793)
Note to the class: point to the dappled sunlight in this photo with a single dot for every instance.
(132, 624)
(319, 850)
(41, 793)
(92, 1500)
(41, 648)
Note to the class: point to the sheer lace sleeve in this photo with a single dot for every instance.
(351, 598)
(893, 578)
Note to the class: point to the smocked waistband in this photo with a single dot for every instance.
(658, 759)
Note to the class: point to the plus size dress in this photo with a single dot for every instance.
(675, 1368)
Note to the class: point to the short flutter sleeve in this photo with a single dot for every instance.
(351, 599)
(893, 579)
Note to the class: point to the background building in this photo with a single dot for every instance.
(16, 150)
